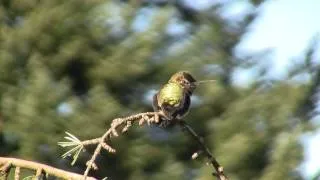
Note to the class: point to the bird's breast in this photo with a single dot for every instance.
(171, 94)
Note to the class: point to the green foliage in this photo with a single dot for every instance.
(76, 65)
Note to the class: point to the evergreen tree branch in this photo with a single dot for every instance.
(306, 109)
(218, 168)
(38, 167)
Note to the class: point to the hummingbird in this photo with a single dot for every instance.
(174, 98)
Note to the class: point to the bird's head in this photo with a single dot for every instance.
(185, 79)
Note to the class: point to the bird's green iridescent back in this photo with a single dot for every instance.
(172, 94)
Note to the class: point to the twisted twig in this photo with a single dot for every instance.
(218, 168)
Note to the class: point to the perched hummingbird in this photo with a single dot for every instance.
(173, 99)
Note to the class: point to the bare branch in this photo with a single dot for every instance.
(35, 166)
(218, 168)
(17, 173)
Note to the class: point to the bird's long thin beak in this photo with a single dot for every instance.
(203, 81)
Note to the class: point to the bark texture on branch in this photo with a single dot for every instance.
(42, 167)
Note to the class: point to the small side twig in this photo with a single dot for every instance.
(5, 170)
(41, 174)
(38, 173)
(218, 168)
(17, 173)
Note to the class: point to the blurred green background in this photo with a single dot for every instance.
(76, 65)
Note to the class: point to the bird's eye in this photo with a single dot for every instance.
(186, 82)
